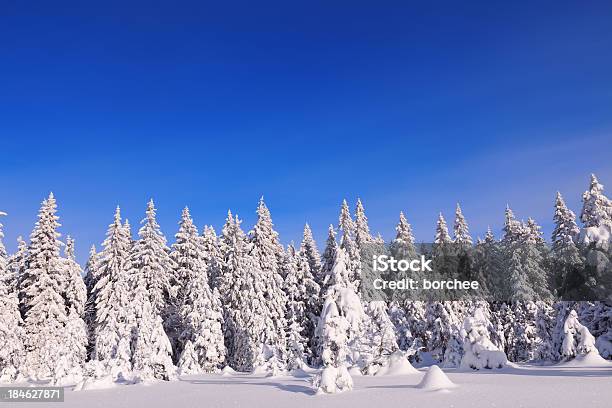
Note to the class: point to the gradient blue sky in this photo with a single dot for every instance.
(410, 105)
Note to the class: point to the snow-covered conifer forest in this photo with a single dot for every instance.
(234, 316)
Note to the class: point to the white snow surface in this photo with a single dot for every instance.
(526, 386)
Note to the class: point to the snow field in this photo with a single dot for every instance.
(526, 386)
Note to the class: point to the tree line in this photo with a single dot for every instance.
(143, 309)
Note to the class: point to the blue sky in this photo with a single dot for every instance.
(410, 106)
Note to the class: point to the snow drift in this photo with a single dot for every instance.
(435, 379)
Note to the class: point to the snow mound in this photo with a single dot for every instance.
(101, 383)
(591, 359)
(435, 379)
(398, 365)
(228, 371)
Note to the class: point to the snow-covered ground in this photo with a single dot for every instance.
(524, 386)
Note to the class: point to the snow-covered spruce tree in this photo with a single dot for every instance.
(487, 267)
(188, 257)
(3, 253)
(91, 273)
(203, 348)
(362, 230)
(461, 230)
(151, 348)
(567, 262)
(577, 339)
(442, 235)
(350, 306)
(11, 325)
(402, 311)
(530, 335)
(150, 256)
(545, 325)
(327, 261)
(70, 366)
(267, 251)
(596, 209)
(16, 267)
(402, 247)
(517, 285)
(90, 305)
(339, 324)
(522, 335)
(244, 304)
(462, 243)
(75, 292)
(114, 311)
(333, 329)
(308, 249)
(348, 244)
(510, 260)
(295, 289)
(537, 261)
(211, 254)
(381, 341)
(42, 290)
(411, 327)
(478, 350)
(443, 324)
(526, 276)
(443, 254)
(596, 242)
(302, 302)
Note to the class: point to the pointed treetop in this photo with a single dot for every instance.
(442, 235)
(489, 237)
(509, 214)
(307, 231)
(331, 232)
(533, 229)
(362, 230)
(345, 222)
(118, 215)
(596, 207)
(595, 185)
(262, 209)
(461, 231)
(404, 230)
